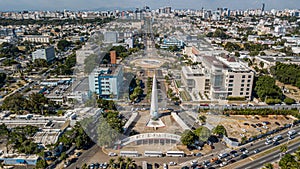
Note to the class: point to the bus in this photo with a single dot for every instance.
(153, 154)
(129, 154)
(175, 154)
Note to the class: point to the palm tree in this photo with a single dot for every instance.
(129, 163)
(283, 148)
(268, 166)
(120, 161)
(111, 162)
(297, 154)
(202, 118)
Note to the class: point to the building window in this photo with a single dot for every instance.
(230, 81)
(230, 93)
(231, 76)
(230, 85)
(243, 76)
(248, 89)
(249, 81)
(241, 93)
(242, 89)
(249, 76)
(242, 85)
(247, 93)
(229, 89)
(248, 85)
(243, 81)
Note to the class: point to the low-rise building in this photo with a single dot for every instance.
(36, 38)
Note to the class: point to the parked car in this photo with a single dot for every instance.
(112, 154)
(172, 163)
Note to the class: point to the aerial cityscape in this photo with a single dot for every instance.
(150, 84)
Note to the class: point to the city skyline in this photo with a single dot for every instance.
(115, 4)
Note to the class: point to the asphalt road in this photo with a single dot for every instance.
(86, 155)
(269, 158)
(260, 144)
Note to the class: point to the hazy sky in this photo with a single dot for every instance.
(13, 5)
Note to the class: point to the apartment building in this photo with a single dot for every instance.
(106, 81)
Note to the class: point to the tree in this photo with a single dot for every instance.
(188, 137)
(203, 133)
(220, 130)
(2, 78)
(63, 156)
(268, 166)
(265, 87)
(202, 118)
(283, 148)
(286, 73)
(84, 166)
(41, 164)
(111, 162)
(289, 101)
(261, 64)
(288, 162)
(62, 44)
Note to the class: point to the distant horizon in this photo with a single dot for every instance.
(91, 5)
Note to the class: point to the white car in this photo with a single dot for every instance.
(111, 154)
(223, 164)
(194, 162)
(172, 163)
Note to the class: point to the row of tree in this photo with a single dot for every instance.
(261, 112)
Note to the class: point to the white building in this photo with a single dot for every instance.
(37, 38)
(86, 51)
(106, 81)
(48, 54)
(111, 37)
(219, 77)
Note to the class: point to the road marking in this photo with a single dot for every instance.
(262, 162)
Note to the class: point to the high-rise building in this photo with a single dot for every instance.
(48, 54)
(106, 81)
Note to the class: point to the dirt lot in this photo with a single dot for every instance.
(238, 126)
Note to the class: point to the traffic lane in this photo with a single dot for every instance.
(250, 154)
(261, 143)
(269, 158)
(85, 157)
(250, 151)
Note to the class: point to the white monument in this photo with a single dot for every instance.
(154, 101)
(154, 121)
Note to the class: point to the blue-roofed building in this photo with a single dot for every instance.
(167, 42)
